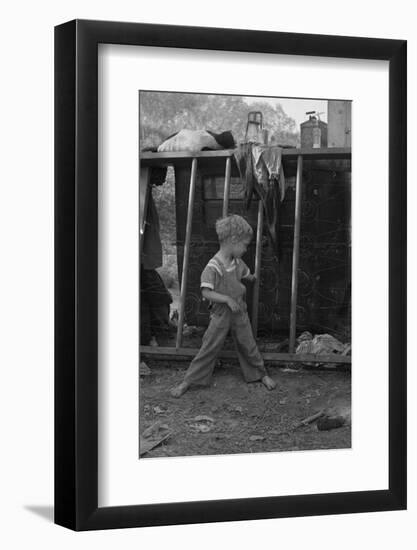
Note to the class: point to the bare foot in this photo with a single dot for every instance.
(179, 390)
(268, 382)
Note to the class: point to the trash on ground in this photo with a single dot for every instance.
(144, 370)
(309, 419)
(301, 423)
(304, 336)
(321, 344)
(330, 423)
(151, 437)
(159, 410)
(219, 437)
(203, 418)
(202, 423)
(256, 438)
(203, 428)
(154, 430)
(236, 408)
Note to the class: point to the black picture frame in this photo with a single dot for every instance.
(76, 271)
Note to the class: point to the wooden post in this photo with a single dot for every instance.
(258, 252)
(186, 251)
(226, 191)
(296, 252)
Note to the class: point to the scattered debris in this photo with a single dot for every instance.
(219, 437)
(154, 430)
(202, 423)
(207, 422)
(330, 423)
(235, 408)
(159, 410)
(256, 438)
(336, 416)
(302, 423)
(203, 428)
(321, 344)
(151, 437)
(309, 419)
(304, 336)
(203, 418)
(144, 370)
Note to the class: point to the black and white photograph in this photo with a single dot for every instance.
(245, 274)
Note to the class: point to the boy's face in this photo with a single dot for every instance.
(239, 247)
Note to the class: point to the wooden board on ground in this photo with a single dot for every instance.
(187, 353)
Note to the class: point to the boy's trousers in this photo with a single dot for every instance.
(251, 362)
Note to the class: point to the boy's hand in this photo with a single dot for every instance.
(251, 278)
(234, 306)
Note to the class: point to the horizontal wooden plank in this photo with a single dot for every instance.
(185, 353)
(173, 157)
(322, 153)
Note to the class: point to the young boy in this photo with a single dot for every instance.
(221, 286)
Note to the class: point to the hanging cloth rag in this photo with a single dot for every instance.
(262, 174)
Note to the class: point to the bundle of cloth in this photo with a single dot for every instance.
(189, 140)
(262, 174)
(195, 140)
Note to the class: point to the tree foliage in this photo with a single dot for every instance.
(164, 113)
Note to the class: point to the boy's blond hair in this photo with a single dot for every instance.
(234, 228)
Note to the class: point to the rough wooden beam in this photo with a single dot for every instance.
(181, 354)
(226, 191)
(258, 251)
(187, 245)
(148, 159)
(296, 253)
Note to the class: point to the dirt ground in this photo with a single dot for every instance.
(231, 416)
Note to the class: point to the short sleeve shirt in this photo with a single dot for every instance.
(214, 271)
